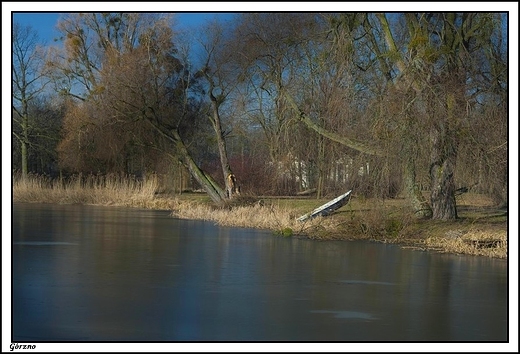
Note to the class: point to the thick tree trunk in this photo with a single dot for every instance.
(443, 162)
(443, 191)
(442, 169)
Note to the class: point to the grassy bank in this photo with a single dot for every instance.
(480, 230)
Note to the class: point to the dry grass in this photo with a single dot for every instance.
(97, 190)
(259, 214)
(490, 243)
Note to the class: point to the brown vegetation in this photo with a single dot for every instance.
(98, 190)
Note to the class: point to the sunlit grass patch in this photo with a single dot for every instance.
(475, 242)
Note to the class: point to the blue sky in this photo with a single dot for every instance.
(45, 23)
(190, 14)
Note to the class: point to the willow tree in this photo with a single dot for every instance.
(430, 63)
(441, 57)
(125, 68)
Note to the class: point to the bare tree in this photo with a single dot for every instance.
(28, 82)
(130, 74)
(221, 75)
(268, 57)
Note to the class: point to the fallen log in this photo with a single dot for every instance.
(307, 192)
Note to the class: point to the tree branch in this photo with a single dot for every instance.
(351, 143)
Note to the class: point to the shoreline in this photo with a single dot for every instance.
(278, 215)
(481, 230)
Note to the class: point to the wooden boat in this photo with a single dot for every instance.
(327, 208)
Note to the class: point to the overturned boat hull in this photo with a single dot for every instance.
(327, 208)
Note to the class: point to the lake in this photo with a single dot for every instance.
(88, 273)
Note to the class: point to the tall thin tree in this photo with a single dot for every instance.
(28, 82)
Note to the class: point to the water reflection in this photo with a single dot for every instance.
(84, 273)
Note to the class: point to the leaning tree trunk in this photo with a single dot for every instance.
(206, 181)
(418, 202)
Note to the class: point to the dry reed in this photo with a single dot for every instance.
(273, 217)
(90, 189)
(489, 243)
